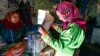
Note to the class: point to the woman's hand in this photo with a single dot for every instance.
(54, 25)
(42, 53)
(2, 44)
(42, 31)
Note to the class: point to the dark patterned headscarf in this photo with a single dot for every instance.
(8, 24)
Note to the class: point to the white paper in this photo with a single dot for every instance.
(45, 19)
(41, 16)
(48, 21)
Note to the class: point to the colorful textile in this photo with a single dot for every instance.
(71, 12)
(16, 50)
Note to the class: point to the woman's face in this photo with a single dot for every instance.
(15, 18)
(61, 17)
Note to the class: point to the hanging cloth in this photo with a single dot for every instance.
(24, 10)
(12, 2)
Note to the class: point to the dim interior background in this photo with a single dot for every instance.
(89, 9)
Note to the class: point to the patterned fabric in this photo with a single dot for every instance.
(71, 12)
(68, 9)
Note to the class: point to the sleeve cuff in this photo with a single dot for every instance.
(46, 38)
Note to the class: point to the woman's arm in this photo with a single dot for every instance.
(57, 43)
(72, 37)
(56, 27)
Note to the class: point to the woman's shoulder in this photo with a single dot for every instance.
(72, 25)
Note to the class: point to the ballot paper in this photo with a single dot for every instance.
(45, 19)
(41, 16)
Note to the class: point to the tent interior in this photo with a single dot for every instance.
(89, 10)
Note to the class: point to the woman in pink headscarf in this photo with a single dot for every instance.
(71, 32)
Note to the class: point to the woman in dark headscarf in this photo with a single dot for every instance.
(11, 32)
(12, 29)
(71, 33)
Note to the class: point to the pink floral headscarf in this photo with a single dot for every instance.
(72, 13)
